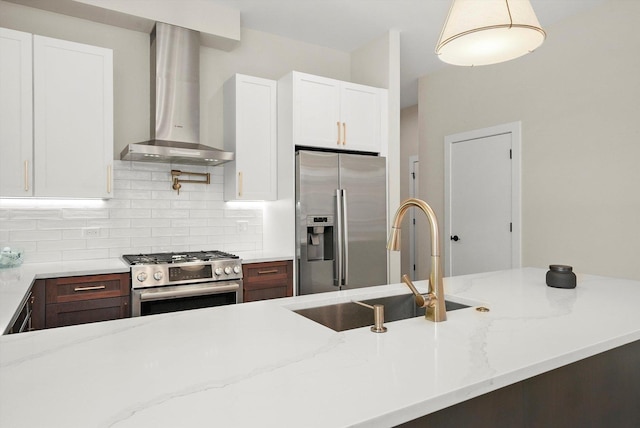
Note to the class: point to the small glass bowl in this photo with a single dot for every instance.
(10, 257)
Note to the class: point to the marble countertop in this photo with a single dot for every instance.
(262, 364)
(260, 256)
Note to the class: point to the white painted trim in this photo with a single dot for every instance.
(515, 129)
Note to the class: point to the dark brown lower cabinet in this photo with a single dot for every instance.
(599, 391)
(267, 280)
(84, 299)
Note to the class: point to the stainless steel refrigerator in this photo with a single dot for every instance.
(341, 221)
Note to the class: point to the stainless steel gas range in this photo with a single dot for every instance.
(169, 282)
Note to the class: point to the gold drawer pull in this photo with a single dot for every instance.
(94, 287)
(344, 133)
(265, 272)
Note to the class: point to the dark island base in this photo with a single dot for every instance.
(599, 391)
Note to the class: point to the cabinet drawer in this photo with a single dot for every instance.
(251, 295)
(267, 280)
(265, 274)
(78, 288)
(86, 311)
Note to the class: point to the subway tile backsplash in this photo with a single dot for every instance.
(145, 215)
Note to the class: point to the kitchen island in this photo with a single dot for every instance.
(261, 363)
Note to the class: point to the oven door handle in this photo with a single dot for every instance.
(186, 291)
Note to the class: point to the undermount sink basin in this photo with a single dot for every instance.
(349, 315)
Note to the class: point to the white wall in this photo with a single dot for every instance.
(578, 97)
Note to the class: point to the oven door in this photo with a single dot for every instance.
(172, 298)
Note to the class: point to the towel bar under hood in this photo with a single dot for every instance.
(175, 102)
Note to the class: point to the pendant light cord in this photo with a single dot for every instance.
(509, 12)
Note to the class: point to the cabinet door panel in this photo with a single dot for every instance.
(16, 114)
(82, 312)
(73, 119)
(360, 112)
(265, 294)
(257, 130)
(250, 130)
(316, 112)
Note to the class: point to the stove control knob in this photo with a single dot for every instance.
(236, 269)
(142, 276)
(227, 270)
(157, 275)
(218, 271)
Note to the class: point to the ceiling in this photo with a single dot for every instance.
(346, 25)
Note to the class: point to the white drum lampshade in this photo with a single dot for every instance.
(481, 32)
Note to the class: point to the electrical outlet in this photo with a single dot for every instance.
(91, 232)
(242, 226)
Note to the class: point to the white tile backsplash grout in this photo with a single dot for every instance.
(145, 215)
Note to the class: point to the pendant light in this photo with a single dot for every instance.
(481, 32)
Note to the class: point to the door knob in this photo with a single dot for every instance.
(455, 238)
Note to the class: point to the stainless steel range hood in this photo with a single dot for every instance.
(175, 102)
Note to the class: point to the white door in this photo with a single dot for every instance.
(479, 231)
(414, 170)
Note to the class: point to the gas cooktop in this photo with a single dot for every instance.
(182, 257)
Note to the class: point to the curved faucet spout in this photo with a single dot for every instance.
(437, 311)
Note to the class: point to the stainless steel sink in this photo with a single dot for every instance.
(349, 315)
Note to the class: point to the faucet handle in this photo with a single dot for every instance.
(420, 300)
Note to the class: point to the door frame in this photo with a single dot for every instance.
(515, 129)
(413, 193)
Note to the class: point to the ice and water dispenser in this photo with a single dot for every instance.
(319, 237)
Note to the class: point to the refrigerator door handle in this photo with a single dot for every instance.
(345, 239)
(339, 238)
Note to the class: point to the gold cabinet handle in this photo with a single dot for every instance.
(109, 179)
(265, 272)
(26, 176)
(344, 133)
(94, 287)
(338, 142)
(240, 183)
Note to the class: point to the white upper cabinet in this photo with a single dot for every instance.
(250, 131)
(73, 119)
(69, 153)
(336, 115)
(16, 114)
